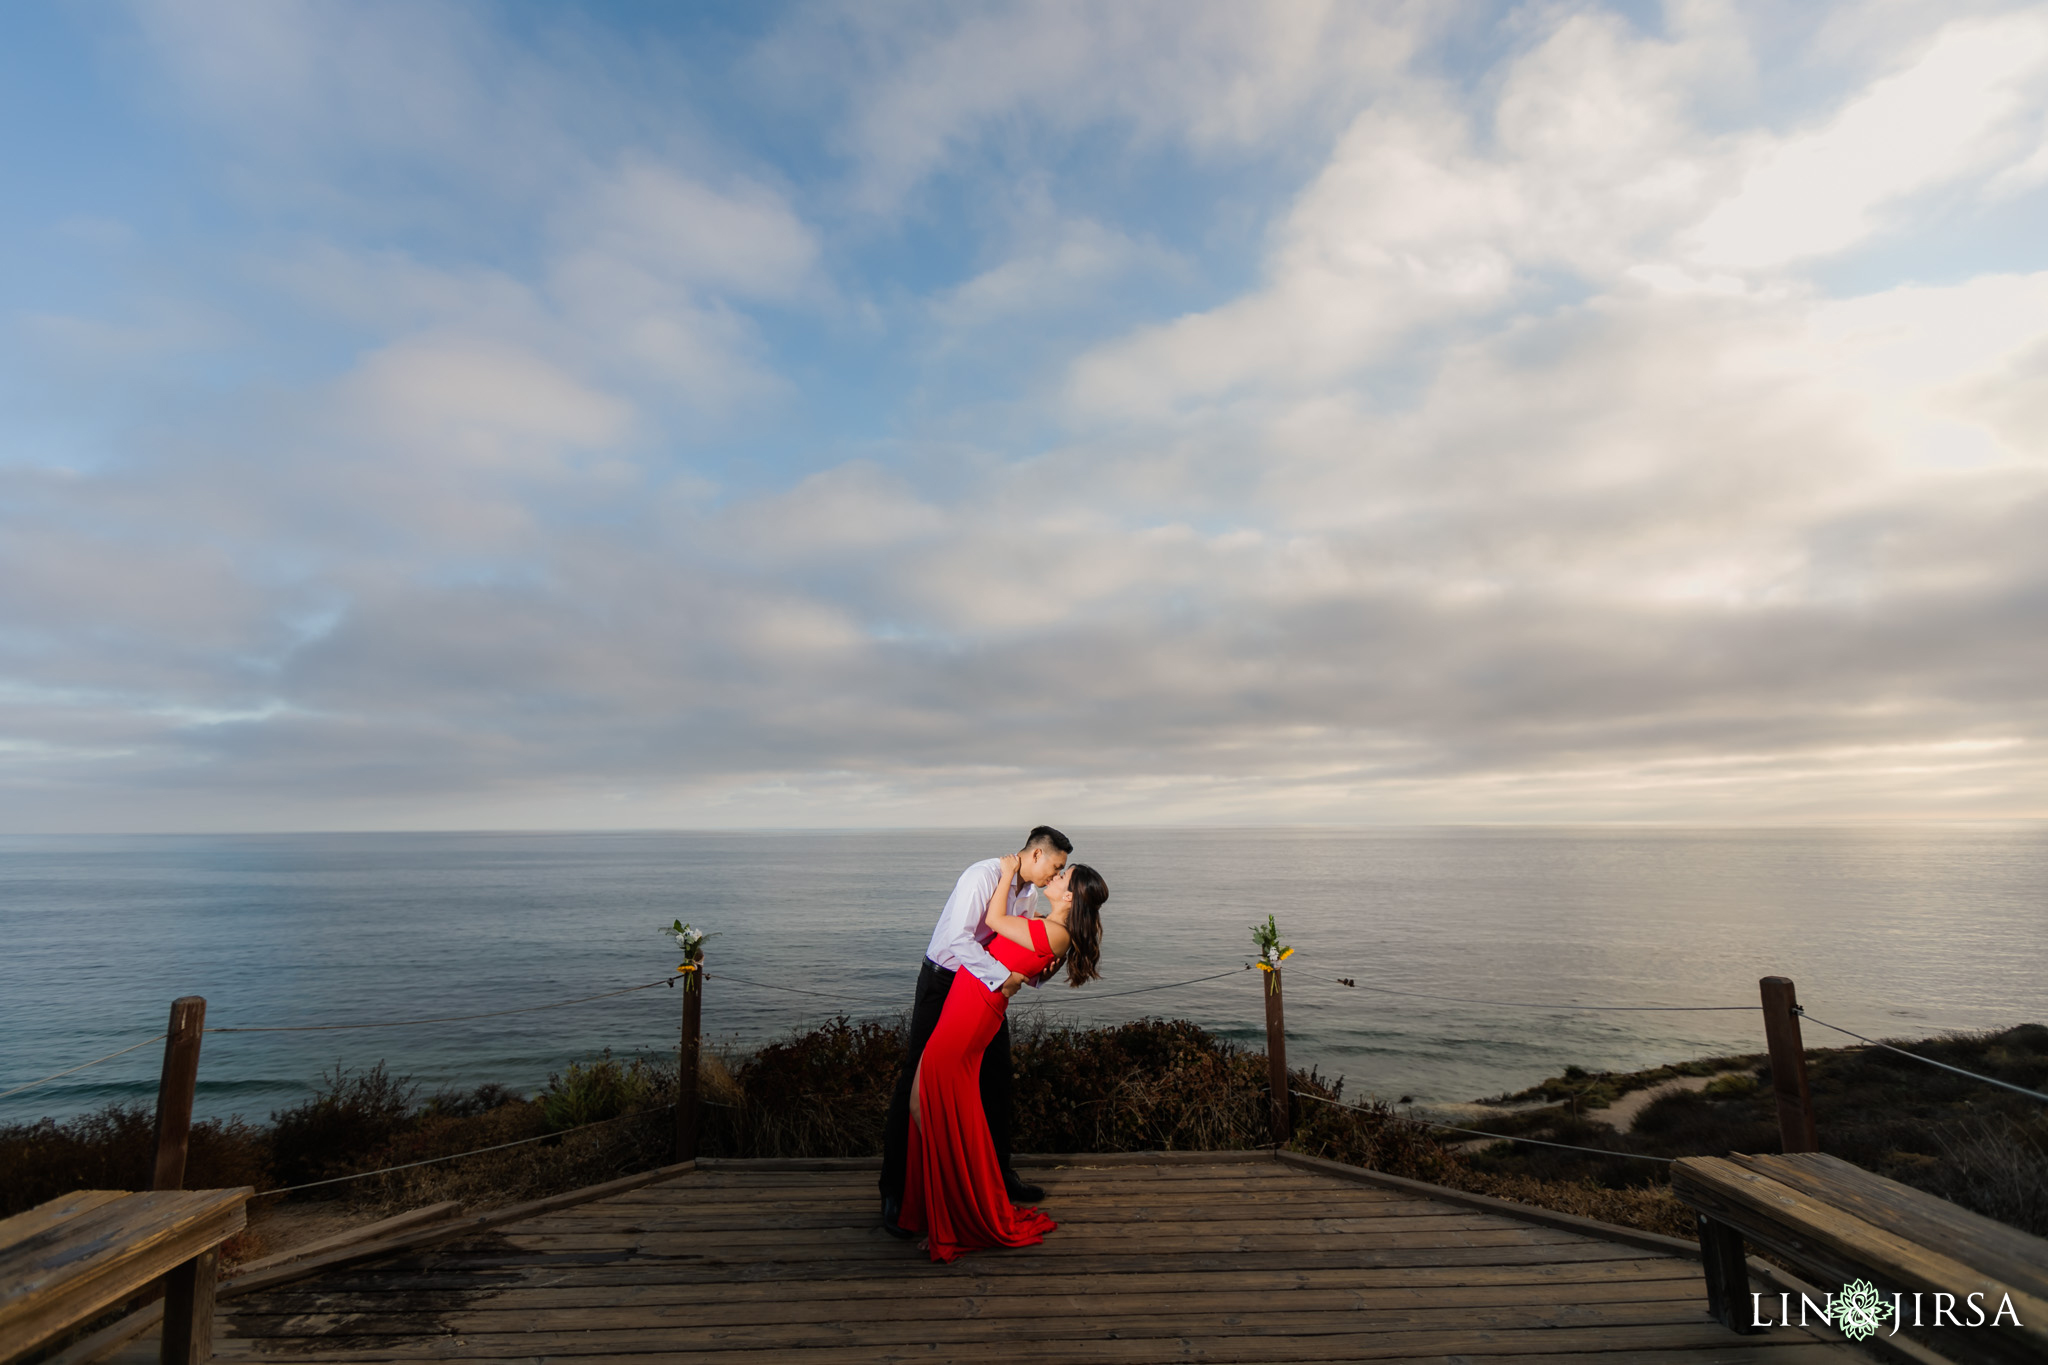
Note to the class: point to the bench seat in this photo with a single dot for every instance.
(65, 1261)
(1838, 1223)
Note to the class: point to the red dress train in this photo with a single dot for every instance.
(953, 1190)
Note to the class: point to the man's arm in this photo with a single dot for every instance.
(964, 909)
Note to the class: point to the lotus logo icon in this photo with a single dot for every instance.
(1860, 1310)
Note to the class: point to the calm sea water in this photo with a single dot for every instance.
(1893, 932)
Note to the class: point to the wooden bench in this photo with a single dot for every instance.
(64, 1261)
(1839, 1223)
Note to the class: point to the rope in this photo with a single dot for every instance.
(1988, 1080)
(82, 1066)
(444, 1019)
(874, 1000)
(1497, 1137)
(797, 990)
(1538, 1005)
(1090, 999)
(479, 1151)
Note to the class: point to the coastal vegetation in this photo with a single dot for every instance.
(1153, 1084)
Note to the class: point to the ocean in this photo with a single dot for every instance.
(1472, 950)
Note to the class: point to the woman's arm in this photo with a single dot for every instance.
(1017, 928)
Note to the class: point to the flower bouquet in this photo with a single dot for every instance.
(691, 941)
(1272, 952)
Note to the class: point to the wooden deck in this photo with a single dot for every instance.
(1213, 1260)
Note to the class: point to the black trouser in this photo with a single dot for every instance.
(934, 983)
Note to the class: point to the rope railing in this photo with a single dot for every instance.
(1480, 1132)
(60, 1075)
(1351, 983)
(1168, 986)
(1781, 1015)
(1988, 1080)
(442, 1019)
(800, 990)
(455, 1156)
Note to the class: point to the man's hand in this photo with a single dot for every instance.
(1013, 985)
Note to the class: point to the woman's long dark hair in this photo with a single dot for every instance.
(1084, 924)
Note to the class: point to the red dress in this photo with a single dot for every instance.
(953, 1190)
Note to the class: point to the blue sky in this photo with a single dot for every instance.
(427, 416)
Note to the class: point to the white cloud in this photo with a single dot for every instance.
(1065, 263)
(927, 83)
(1494, 495)
(745, 241)
(1948, 116)
(480, 404)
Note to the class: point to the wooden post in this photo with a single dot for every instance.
(1796, 1132)
(174, 1092)
(1276, 1060)
(187, 1289)
(687, 1057)
(1726, 1263)
(188, 1311)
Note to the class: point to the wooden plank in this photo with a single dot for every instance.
(2011, 1255)
(40, 1219)
(1105, 1348)
(675, 1329)
(1570, 1222)
(1100, 1160)
(600, 1283)
(1115, 1196)
(595, 1230)
(684, 1194)
(771, 1173)
(1253, 1237)
(150, 1315)
(385, 1316)
(1811, 1353)
(829, 1164)
(1133, 1222)
(71, 1270)
(425, 1237)
(713, 1222)
(1838, 1247)
(467, 1265)
(1184, 1306)
(368, 1232)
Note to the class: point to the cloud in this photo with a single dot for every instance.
(925, 85)
(1061, 269)
(745, 242)
(1961, 105)
(1526, 468)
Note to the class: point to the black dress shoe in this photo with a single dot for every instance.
(1021, 1193)
(890, 1209)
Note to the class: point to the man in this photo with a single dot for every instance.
(960, 943)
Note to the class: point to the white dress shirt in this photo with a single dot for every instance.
(961, 940)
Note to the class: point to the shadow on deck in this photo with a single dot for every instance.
(1229, 1257)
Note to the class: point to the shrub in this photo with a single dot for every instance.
(1998, 1167)
(594, 1091)
(115, 1149)
(347, 1125)
(822, 1092)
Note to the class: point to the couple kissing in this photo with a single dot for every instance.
(1010, 922)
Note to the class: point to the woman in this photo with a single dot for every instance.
(954, 1188)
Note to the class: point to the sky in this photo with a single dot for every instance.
(523, 415)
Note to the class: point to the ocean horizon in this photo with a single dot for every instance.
(1478, 953)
